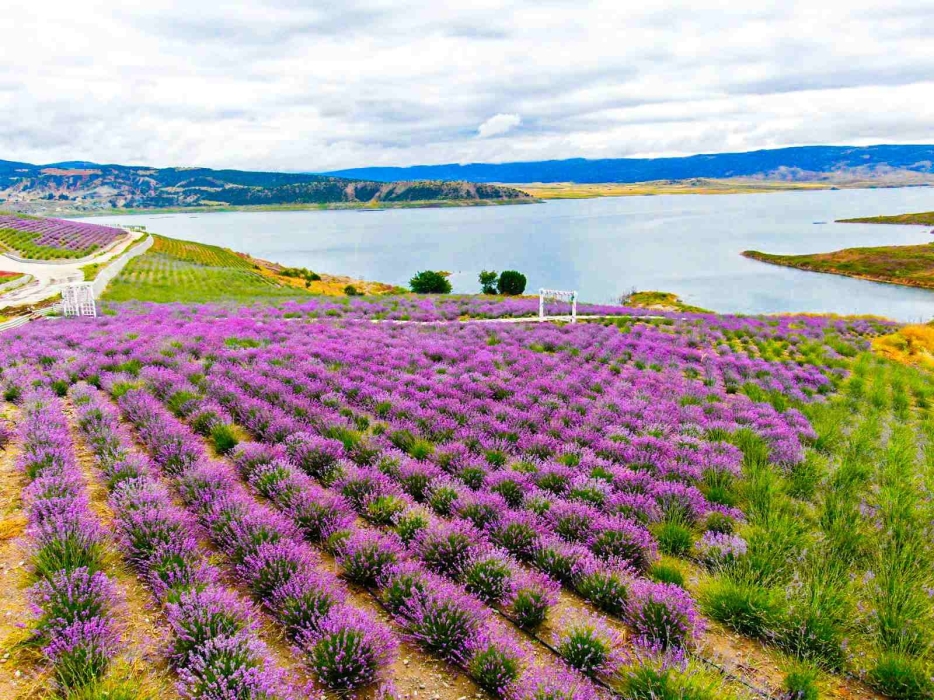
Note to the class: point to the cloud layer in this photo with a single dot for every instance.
(292, 85)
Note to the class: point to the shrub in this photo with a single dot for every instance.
(351, 291)
(718, 551)
(494, 664)
(81, 652)
(407, 525)
(223, 438)
(667, 573)
(673, 538)
(619, 538)
(589, 647)
(442, 619)
(518, 534)
(718, 522)
(560, 560)
(348, 649)
(511, 282)
(747, 608)
(228, 667)
(441, 497)
(316, 455)
(902, 677)
(383, 510)
(273, 564)
(366, 555)
(800, 684)
(302, 602)
(69, 597)
(429, 282)
(557, 682)
(606, 589)
(488, 281)
(488, 577)
(446, 548)
(199, 616)
(666, 677)
(662, 615)
(530, 599)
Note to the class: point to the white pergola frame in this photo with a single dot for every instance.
(558, 295)
(78, 300)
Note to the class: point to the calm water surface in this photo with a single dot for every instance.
(602, 247)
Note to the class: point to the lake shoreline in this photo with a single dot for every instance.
(919, 219)
(602, 247)
(541, 193)
(780, 261)
(311, 208)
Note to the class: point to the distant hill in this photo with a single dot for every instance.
(82, 186)
(907, 164)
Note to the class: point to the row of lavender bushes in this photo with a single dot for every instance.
(462, 551)
(215, 648)
(344, 647)
(74, 601)
(433, 612)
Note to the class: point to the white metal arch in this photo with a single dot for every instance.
(78, 300)
(558, 295)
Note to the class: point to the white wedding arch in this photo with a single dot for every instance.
(557, 295)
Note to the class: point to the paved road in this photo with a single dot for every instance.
(50, 278)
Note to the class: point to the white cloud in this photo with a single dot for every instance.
(498, 125)
(281, 84)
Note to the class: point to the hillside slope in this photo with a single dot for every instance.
(909, 164)
(80, 186)
(185, 271)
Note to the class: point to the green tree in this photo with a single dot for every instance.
(429, 282)
(511, 282)
(488, 279)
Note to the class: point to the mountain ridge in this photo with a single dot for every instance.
(794, 164)
(83, 186)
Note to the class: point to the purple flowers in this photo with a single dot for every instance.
(717, 550)
(458, 472)
(73, 600)
(662, 615)
(66, 238)
(215, 649)
(591, 647)
(347, 650)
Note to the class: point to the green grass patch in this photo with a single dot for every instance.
(184, 271)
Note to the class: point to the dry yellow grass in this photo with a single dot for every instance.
(911, 345)
(328, 285)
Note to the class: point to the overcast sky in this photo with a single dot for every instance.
(326, 84)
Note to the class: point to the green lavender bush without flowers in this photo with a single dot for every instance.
(800, 684)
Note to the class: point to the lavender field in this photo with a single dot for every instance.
(51, 239)
(324, 500)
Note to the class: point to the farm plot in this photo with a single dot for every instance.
(54, 239)
(184, 271)
(538, 511)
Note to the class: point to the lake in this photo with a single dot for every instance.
(685, 244)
